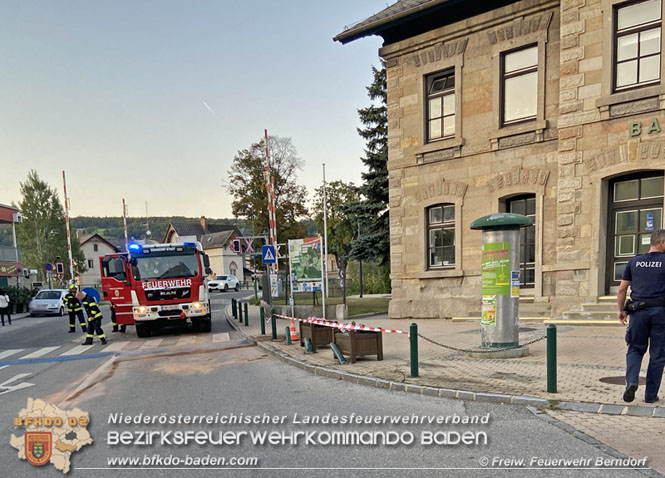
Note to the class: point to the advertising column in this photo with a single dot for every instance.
(500, 270)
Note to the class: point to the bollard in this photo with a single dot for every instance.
(273, 323)
(308, 346)
(256, 292)
(551, 358)
(239, 312)
(338, 354)
(263, 321)
(288, 336)
(234, 305)
(246, 315)
(413, 339)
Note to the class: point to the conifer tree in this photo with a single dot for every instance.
(373, 241)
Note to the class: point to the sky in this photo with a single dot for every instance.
(149, 100)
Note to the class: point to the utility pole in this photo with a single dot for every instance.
(124, 221)
(69, 239)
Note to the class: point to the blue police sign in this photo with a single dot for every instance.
(268, 254)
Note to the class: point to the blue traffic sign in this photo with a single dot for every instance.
(268, 254)
(49, 266)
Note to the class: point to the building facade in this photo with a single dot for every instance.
(552, 109)
(93, 247)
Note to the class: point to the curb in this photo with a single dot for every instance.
(588, 439)
(534, 402)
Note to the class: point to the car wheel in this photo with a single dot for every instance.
(61, 312)
(237, 287)
(226, 287)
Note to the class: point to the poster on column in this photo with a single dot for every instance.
(496, 269)
(488, 312)
(306, 267)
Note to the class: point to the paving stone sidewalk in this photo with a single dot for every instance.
(588, 358)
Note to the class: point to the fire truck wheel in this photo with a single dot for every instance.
(203, 325)
(143, 330)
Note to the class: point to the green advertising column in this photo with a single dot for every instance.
(500, 278)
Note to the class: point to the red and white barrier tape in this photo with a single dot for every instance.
(342, 327)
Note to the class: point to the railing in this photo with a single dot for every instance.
(9, 254)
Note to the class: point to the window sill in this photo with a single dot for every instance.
(440, 273)
(524, 133)
(626, 103)
(630, 95)
(440, 150)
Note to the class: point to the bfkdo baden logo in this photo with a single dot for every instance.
(38, 447)
(51, 435)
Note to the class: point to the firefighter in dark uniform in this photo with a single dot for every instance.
(94, 318)
(123, 327)
(645, 274)
(75, 309)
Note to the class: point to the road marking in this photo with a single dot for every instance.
(9, 352)
(116, 346)
(221, 337)
(151, 344)
(40, 352)
(77, 350)
(5, 387)
(184, 341)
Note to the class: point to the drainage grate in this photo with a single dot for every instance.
(477, 331)
(621, 380)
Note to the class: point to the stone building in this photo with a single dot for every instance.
(551, 109)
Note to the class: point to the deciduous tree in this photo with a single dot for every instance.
(246, 183)
(342, 222)
(42, 235)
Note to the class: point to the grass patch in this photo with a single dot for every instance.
(357, 305)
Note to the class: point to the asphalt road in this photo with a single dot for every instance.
(245, 381)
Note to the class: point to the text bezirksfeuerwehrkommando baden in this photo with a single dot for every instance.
(295, 418)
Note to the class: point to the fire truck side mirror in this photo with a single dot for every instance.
(206, 261)
(208, 271)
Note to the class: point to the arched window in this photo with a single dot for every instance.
(441, 236)
(526, 205)
(233, 269)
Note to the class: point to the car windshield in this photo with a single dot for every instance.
(165, 267)
(48, 295)
(221, 278)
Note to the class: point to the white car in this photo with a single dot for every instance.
(224, 283)
(48, 301)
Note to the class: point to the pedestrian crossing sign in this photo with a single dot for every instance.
(268, 254)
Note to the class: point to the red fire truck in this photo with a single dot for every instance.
(153, 286)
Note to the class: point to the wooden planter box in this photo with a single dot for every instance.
(359, 344)
(318, 334)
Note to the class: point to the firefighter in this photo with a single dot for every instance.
(75, 309)
(94, 318)
(123, 327)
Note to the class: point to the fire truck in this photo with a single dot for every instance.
(158, 285)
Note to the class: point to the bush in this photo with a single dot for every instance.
(19, 297)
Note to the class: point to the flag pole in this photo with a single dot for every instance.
(325, 229)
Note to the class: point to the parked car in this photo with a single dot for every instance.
(224, 283)
(48, 301)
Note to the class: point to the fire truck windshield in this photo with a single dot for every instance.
(164, 266)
